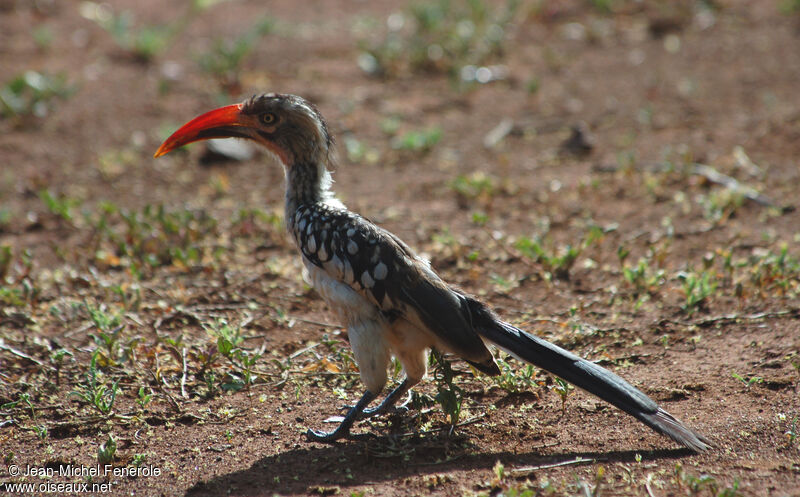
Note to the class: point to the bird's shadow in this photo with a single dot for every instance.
(312, 467)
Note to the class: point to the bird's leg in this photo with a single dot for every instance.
(390, 401)
(343, 429)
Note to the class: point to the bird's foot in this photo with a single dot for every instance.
(343, 430)
(388, 406)
(326, 436)
(378, 410)
(381, 409)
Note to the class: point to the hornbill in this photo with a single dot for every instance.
(389, 298)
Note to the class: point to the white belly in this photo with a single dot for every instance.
(366, 328)
(348, 304)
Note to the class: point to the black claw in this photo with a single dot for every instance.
(343, 430)
(381, 409)
(378, 410)
(325, 436)
(366, 413)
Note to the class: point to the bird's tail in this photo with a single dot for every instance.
(584, 374)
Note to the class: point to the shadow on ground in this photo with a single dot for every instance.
(319, 469)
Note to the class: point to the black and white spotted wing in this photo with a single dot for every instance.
(351, 250)
(383, 269)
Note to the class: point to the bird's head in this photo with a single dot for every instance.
(287, 125)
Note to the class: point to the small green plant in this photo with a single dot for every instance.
(43, 37)
(532, 85)
(41, 432)
(477, 185)
(694, 484)
(255, 222)
(748, 382)
(643, 277)
(24, 398)
(604, 6)
(228, 337)
(16, 287)
(697, 288)
(144, 398)
(6, 216)
(557, 262)
(720, 204)
(498, 476)
(60, 206)
(11, 296)
(57, 358)
(138, 459)
(358, 152)
(229, 341)
(514, 380)
(152, 237)
(108, 333)
(790, 7)
(143, 42)
(210, 379)
(33, 94)
(224, 59)
(563, 389)
(442, 36)
(793, 432)
(480, 218)
(775, 272)
(449, 395)
(107, 451)
(101, 318)
(96, 393)
(419, 141)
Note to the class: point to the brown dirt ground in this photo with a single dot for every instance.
(725, 75)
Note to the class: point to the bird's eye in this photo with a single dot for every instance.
(268, 118)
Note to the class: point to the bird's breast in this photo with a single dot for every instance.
(349, 250)
(347, 303)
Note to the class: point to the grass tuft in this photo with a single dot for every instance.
(443, 36)
(33, 94)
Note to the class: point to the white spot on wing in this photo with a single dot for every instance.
(380, 271)
(311, 245)
(352, 247)
(367, 280)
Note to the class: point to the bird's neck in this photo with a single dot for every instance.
(307, 184)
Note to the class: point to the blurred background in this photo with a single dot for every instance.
(531, 96)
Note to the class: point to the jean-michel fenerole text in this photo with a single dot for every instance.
(107, 470)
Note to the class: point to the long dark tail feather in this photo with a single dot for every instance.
(584, 374)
